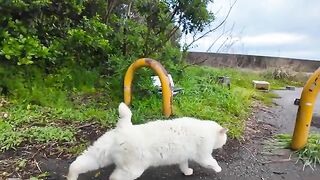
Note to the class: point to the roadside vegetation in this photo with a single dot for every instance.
(309, 155)
(47, 113)
(68, 120)
(62, 65)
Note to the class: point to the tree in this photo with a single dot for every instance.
(55, 33)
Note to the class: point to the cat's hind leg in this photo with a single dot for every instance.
(184, 167)
(209, 162)
(82, 164)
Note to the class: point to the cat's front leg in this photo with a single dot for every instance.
(216, 166)
(209, 162)
(184, 167)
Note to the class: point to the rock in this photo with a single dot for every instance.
(261, 85)
(5, 115)
(290, 88)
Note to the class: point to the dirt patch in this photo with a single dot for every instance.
(254, 130)
(28, 160)
(97, 98)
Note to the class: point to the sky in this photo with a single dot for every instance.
(281, 28)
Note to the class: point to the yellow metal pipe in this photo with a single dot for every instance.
(305, 111)
(164, 79)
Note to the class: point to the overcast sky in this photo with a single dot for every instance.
(286, 28)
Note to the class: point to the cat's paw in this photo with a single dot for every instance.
(188, 172)
(218, 169)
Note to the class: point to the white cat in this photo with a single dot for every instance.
(134, 148)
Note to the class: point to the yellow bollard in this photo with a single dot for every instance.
(164, 79)
(305, 111)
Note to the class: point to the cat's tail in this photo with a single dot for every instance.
(124, 116)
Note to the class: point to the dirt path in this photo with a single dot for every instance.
(246, 160)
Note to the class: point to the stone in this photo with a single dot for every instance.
(5, 115)
(290, 88)
(261, 85)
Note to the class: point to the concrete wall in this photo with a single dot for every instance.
(251, 62)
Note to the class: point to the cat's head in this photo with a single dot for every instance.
(221, 137)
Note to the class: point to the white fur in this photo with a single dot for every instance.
(134, 148)
(124, 116)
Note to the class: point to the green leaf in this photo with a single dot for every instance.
(7, 56)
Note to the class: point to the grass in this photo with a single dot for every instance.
(266, 98)
(49, 112)
(11, 137)
(205, 99)
(43, 117)
(309, 155)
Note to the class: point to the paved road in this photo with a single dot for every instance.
(287, 110)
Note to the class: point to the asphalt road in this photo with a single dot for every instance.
(288, 111)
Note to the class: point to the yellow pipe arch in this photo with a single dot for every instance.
(164, 79)
(305, 111)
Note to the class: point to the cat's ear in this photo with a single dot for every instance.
(223, 130)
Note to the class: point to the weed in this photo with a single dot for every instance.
(265, 97)
(10, 140)
(309, 155)
(77, 150)
(8, 137)
(49, 133)
(280, 76)
(40, 176)
(21, 163)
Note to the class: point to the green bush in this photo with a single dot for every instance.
(50, 49)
